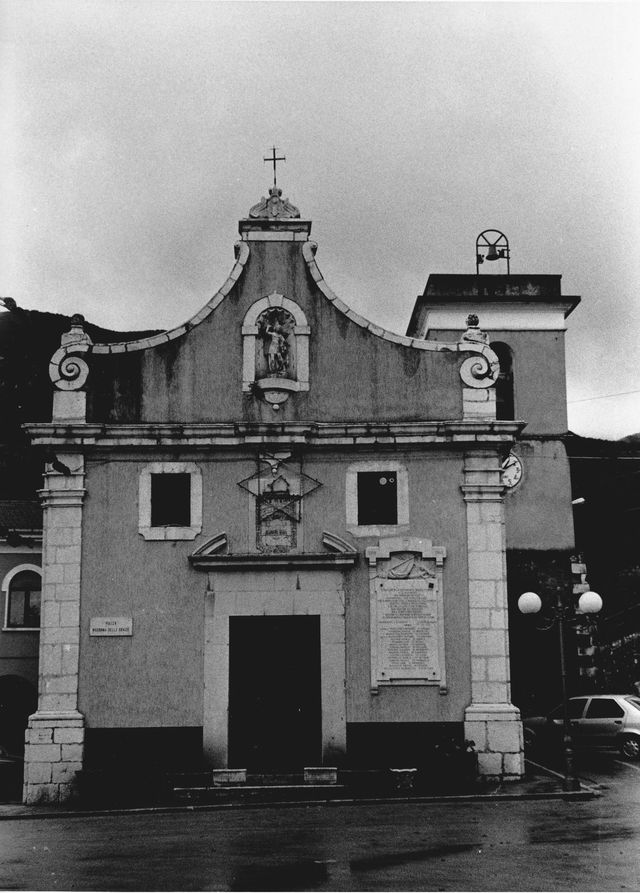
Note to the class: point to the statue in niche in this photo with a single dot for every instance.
(275, 327)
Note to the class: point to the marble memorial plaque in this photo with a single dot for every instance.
(407, 630)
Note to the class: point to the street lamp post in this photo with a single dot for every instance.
(588, 603)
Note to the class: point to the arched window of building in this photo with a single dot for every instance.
(505, 403)
(23, 589)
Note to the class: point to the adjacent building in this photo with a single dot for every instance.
(524, 317)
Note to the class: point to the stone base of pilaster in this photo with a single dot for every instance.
(54, 748)
(496, 730)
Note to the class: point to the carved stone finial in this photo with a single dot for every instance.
(76, 334)
(474, 333)
(275, 207)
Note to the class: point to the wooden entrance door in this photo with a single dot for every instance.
(274, 692)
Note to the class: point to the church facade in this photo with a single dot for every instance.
(274, 536)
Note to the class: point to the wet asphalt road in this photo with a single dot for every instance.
(519, 845)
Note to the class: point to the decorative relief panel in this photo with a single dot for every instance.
(277, 516)
(278, 487)
(407, 619)
(275, 207)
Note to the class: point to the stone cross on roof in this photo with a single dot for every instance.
(273, 158)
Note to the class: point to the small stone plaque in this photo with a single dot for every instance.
(111, 626)
(276, 522)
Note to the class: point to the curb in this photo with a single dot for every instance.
(588, 793)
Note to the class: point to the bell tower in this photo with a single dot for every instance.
(525, 319)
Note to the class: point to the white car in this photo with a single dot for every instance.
(595, 721)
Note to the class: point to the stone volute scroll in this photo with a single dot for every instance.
(407, 613)
(275, 339)
(68, 371)
(482, 369)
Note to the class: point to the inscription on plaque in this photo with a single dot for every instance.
(407, 613)
(111, 626)
(407, 621)
(276, 533)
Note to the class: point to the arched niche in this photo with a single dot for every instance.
(275, 349)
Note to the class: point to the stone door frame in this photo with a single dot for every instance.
(254, 592)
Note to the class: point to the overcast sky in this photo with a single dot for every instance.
(135, 134)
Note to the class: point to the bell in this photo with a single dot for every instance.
(492, 254)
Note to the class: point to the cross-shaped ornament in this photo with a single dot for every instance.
(273, 158)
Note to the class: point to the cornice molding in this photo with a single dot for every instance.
(483, 492)
(471, 434)
(273, 559)
(67, 498)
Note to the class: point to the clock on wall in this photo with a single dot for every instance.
(511, 471)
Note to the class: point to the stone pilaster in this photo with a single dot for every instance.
(54, 739)
(479, 403)
(491, 720)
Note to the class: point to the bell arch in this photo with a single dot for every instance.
(505, 389)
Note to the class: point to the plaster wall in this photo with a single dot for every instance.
(198, 377)
(538, 511)
(540, 387)
(155, 677)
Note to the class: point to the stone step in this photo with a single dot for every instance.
(241, 777)
(257, 793)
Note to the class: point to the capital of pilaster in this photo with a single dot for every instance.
(483, 492)
(491, 712)
(67, 498)
(56, 719)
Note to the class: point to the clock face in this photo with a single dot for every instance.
(511, 471)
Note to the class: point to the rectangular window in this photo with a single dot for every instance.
(377, 497)
(171, 500)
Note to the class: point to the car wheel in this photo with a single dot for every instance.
(529, 738)
(630, 747)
